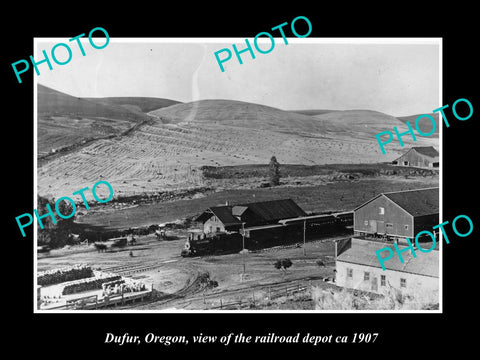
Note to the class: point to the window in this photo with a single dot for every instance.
(403, 282)
(366, 276)
(405, 163)
(406, 227)
(365, 223)
(218, 229)
(349, 273)
(389, 226)
(381, 210)
(383, 280)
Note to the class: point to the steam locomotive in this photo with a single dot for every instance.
(285, 232)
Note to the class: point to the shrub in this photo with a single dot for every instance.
(353, 300)
(283, 264)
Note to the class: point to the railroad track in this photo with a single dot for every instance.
(132, 269)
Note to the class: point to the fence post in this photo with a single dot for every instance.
(221, 304)
(269, 293)
(253, 297)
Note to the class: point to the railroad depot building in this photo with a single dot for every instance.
(381, 222)
(419, 156)
(230, 218)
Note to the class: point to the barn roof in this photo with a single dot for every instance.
(426, 150)
(416, 202)
(265, 211)
(363, 252)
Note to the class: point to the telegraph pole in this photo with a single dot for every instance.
(304, 230)
(243, 247)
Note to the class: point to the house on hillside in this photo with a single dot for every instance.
(398, 215)
(230, 218)
(419, 156)
(358, 268)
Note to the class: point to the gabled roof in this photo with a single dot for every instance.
(239, 210)
(417, 202)
(223, 213)
(426, 150)
(275, 210)
(363, 252)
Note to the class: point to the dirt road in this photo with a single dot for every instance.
(178, 281)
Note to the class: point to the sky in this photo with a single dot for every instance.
(396, 76)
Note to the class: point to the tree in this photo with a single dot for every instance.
(274, 171)
(283, 264)
(54, 235)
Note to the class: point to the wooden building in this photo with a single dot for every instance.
(419, 156)
(358, 268)
(398, 215)
(230, 218)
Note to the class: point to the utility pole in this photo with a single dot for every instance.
(243, 247)
(304, 230)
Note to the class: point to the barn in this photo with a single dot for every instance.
(398, 215)
(358, 268)
(231, 217)
(419, 156)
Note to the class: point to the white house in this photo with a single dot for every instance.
(358, 267)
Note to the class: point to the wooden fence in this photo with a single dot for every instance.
(260, 297)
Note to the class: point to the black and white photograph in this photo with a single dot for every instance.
(260, 188)
(275, 180)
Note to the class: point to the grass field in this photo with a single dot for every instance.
(340, 195)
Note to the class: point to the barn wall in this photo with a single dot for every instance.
(418, 285)
(393, 215)
(414, 159)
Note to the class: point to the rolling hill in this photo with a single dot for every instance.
(354, 123)
(135, 104)
(166, 152)
(425, 125)
(55, 103)
(65, 121)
